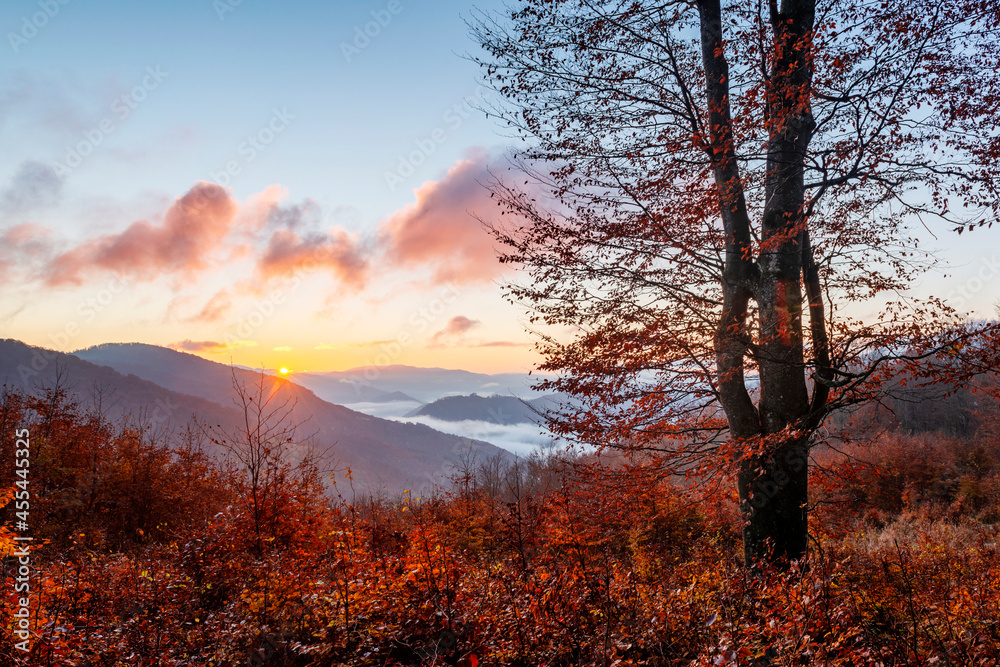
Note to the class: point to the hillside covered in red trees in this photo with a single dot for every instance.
(149, 552)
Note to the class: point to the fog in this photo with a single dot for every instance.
(520, 439)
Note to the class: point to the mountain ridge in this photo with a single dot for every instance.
(380, 452)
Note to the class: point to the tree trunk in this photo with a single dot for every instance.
(773, 484)
(773, 495)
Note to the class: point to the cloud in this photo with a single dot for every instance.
(207, 229)
(336, 252)
(35, 185)
(26, 238)
(54, 106)
(26, 241)
(521, 439)
(211, 346)
(264, 210)
(215, 308)
(500, 343)
(294, 216)
(370, 343)
(457, 327)
(193, 228)
(341, 346)
(439, 229)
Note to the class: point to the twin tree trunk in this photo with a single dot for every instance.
(773, 481)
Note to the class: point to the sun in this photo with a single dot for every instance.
(284, 371)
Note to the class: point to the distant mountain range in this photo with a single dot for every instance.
(496, 409)
(142, 378)
(346, 392)
(376, 383)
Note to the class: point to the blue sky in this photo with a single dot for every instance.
(353, 106)
(226, 72)
(347, 166)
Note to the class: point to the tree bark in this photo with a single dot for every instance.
(740, 273)
(773, 483)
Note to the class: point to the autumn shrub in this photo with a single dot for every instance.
(931, 474)
(553, 562)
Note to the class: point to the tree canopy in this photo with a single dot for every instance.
(711, 185)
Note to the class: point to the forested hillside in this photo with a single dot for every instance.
(149, 551)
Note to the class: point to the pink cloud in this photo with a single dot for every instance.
(26, 237)
(439, 229)
(210, 346)
(193, 228)
(24, 241)
(259, 208)
(457, 327)
(215, 308)
(337, 252)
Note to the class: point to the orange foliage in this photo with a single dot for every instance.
(554, 562)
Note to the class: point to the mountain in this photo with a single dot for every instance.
(395, 396)
(339, 391)
(343, 392)
(30, 369)
(381, 453)
(496, 409)
(423, 384)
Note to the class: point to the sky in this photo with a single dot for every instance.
(277, 184)
(280, 184)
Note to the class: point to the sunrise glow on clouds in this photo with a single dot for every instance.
(167, 179)
(178, 184)
(437, 234)
(285, 274)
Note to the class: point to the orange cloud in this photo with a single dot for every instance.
(216, 307)
(338, 253)
(192, 229)
(24, 241)
(208, 228)
(457, 327)
(210, 346)
(439, 230)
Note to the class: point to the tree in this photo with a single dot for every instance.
(701, 173)
(261, 449)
